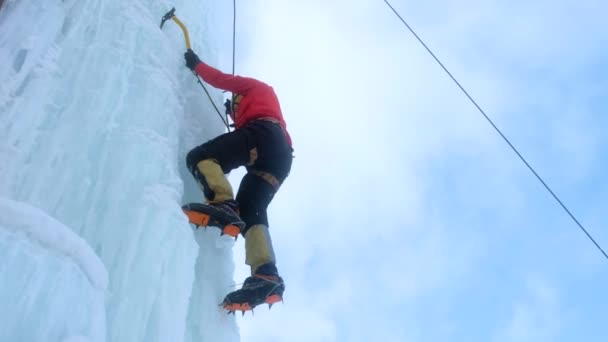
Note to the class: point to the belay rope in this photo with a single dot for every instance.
(171, 16)
(499, 131)
(233, 44)
(228, 104)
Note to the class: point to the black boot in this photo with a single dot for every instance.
(223, 215)
(228, 212)
(263, 287)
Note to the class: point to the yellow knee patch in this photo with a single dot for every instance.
(216, 180)
(258, 247)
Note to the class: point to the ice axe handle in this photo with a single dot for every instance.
(186, 37)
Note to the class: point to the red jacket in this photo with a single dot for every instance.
(259, 99)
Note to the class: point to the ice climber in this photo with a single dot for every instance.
(261, 143)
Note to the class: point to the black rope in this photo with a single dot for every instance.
(225, 117)
(499, 132)
(211, 100)
(233, 33)
(233, 48)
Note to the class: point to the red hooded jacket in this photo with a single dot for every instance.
(259, 100)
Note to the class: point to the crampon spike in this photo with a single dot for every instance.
(237, 307)
(232, 230)
(274, 299)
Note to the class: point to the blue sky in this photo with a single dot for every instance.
(406, 217)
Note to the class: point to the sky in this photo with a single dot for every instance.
(406, 217)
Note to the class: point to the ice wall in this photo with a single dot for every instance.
(52, 284)
(97, 113)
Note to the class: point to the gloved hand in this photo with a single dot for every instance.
(191, 59)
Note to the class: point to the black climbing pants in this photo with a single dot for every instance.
(262, 147)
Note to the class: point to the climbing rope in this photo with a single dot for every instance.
(225, 121)
(225, 118)
(233, 49)
(233, 33)
(499, 132)
(227, 104)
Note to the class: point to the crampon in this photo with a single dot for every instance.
(244, 307)
(256, 290)
(202, 215)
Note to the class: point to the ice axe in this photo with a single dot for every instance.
(171, 15)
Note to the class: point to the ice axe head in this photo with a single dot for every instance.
(167, 16)
(171, 15)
